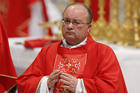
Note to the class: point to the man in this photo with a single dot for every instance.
(7, 71)
(77, 64)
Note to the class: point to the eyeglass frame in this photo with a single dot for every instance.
(73, 22)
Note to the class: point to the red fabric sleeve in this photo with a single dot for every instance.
(42, 66)
(109, 77)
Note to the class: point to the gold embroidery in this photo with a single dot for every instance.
(74, 60)
(69, 60)
(68, 65)
(57, 90)
(72, 70)
(77, 66)
(61, 65)
(64, 60)
(65, 91)
(63, 69)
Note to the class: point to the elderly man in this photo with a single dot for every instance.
(77, 64)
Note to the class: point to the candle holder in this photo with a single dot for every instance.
(100, 26)
(113, 29)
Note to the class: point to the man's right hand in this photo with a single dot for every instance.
(53, 78)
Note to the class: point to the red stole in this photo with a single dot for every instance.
(71, 61)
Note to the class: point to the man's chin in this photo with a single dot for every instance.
(70, 39)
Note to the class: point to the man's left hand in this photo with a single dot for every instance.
(70, 82)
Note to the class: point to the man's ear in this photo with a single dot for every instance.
(89, 27)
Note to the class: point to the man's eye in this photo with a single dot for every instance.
(76, 23)
(67, 21)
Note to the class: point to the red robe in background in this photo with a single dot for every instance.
(18, 17)
(7, 71)
(95, 8)
(101, 73)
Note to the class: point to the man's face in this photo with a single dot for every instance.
(75, 27)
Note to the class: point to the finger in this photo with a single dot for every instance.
(52, 83)
(68, 88)
(67, 75)
(65, 87)
(55, 72)
(65, 82)
(53, 77)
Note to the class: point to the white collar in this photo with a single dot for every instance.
(66, 45)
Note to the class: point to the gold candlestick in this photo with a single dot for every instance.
(51, 24)
(46, 25)
(59, 34)
(127, 33)
(113, 28)
(47, 36)
(100, 25)
(136, 24)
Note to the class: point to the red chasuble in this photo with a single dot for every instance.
(94, 62)
(7, 70)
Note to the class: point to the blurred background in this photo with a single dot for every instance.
(31, 24)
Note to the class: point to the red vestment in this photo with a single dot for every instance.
(7, 71)
(101, 73)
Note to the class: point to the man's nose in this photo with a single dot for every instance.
(70, 25)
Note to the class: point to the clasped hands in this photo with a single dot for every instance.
(69, 81)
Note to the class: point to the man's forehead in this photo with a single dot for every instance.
(77, 7)
(76, 11)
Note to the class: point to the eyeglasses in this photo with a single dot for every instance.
(74, 22)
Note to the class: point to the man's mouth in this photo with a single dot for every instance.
(70, 32)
